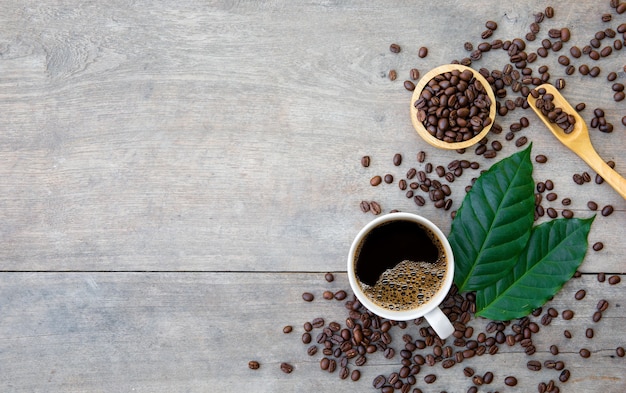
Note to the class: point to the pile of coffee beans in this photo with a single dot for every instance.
(454, 106)
(344, 347)
(565, 121)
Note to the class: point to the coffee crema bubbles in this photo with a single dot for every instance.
(401, 265)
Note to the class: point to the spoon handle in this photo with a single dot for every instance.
(591, 157)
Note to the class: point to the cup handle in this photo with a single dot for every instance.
(440, 323)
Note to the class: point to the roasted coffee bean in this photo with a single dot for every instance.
(365, 206)
(328, 295)
(308, 297)
(379, 381)
(602, 305)
(286, 368)
(287, 329)
(410, 86)
(607, 210)
(397, 159)
(597, 316)
(580, 294)
(589, 333)
(393, 75)
(567, 315)
(601, 277)
(365, 161)
(533, 365)
(540, 158)
(567, 213)
(619, 351)
(521, 141)
(388, 178)
(614, 280)
(510, 381)
(584, 352)
(422, 52)
(488, 377)
(317, 322)
(395, 48)
(376, 180)
(430, 378)
(355, 375)
(375, 208)
(597, 246)
(592, 205)
(253, 365)
(414, 74)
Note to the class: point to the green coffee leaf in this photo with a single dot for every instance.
(493, 224)
(555, 250)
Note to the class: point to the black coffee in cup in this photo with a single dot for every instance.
(400, 265)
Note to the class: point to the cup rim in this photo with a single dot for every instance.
(414, 313)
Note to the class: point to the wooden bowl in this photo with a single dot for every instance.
(419, 127)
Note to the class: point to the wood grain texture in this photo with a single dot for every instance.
(158, 332)
(175, 174)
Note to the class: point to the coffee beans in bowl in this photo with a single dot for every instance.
(453, 107)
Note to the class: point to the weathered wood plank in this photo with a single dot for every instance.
(227, 136)
(157, 332)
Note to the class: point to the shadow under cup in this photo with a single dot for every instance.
(401, 267)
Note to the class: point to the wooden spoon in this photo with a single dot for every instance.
(578, 140)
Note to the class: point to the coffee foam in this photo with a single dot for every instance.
(409, 284)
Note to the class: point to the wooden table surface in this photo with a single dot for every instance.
(176, 174)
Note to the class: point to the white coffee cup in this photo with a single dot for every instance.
(430, 309)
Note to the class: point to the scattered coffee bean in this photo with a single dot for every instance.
(567, 315)
(393, 75)
(388, 178)
(510, 381)
(589, 333)
(414, 74)
(308, 297)
(422, 52)
(397, 159)
(580, 294)
(554, 350)
(287, 329)
(607, 210)
(540, 158)
(533, 365)
(375, 208)
(355, 375)
(395, 48)
(329, 277)
(619, 351)
(584, 352)
(613, 280)
(430, 378)
(253, 365)
(410, 86)
(597, 246)
(567, 334)
(376, 180)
